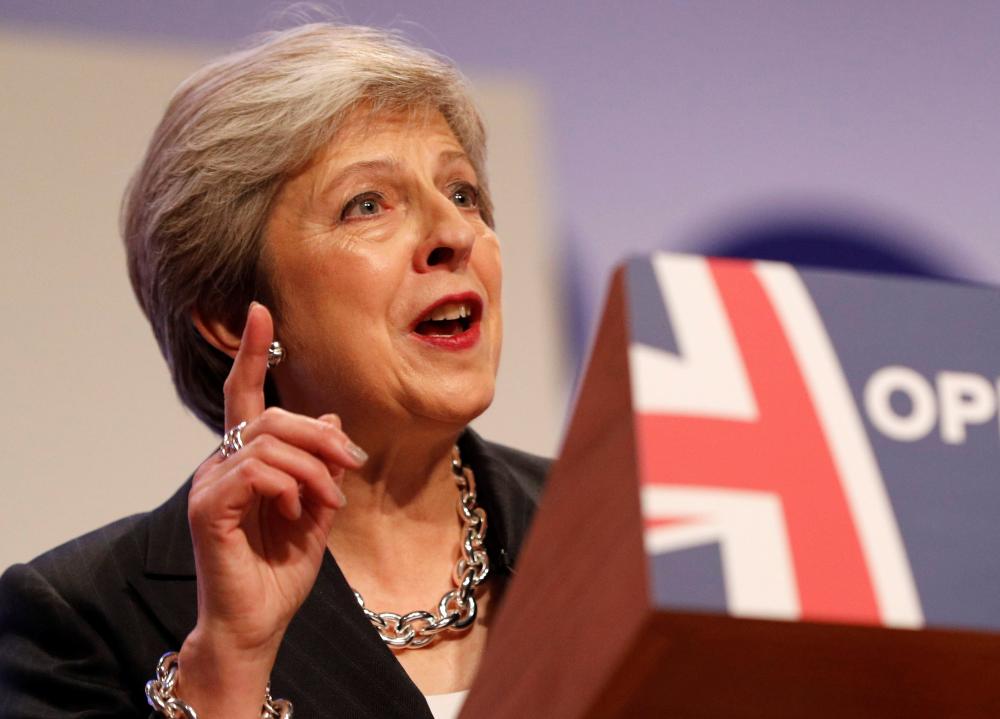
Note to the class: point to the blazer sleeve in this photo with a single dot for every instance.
(53, 662)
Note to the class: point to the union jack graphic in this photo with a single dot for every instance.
(750, 441)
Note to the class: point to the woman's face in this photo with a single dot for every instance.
(386, 277)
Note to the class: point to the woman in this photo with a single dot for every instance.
(324, 190)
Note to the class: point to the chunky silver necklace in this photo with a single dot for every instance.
(457, 608)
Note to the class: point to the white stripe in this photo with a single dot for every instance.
(895, 590)
(748, 525)
(708, 378)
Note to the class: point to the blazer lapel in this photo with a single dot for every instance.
(508, 500)
(333, 663)
(167, 583)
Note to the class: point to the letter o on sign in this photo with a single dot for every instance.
(923, 412)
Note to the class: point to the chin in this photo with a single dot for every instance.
(459, 406)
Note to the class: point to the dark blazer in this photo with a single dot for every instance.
(82, 626)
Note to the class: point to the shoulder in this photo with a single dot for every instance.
(104, 556)
(73, 629)
(74, 584)
(527, 471)
(509, 484)
(90, 555)
(90, 576)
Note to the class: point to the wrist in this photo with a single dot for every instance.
(222, 680)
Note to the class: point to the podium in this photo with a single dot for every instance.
(778, 496)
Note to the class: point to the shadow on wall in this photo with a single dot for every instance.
(811, 239)
(827, 243)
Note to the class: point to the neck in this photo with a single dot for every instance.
(405, 494)
(403, 497)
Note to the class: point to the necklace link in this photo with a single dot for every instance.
(457, 608)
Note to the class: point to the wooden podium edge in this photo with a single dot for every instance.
(581, 585)
(689, 666)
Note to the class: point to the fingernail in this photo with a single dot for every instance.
(343, 497)
(357, 454)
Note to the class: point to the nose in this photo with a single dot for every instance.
(448, 237)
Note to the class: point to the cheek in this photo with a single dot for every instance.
(488, 264)
(333, 293)
(491, 274)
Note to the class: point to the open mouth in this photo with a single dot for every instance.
(446, 320)
(450, 317)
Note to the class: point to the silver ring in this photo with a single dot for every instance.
(232, 441)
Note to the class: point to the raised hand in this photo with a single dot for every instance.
(260, 521)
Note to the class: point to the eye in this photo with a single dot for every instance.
(367, 204)
(465, 196)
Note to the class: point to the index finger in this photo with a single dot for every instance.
(244, 387)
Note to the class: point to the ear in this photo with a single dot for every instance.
(216, 333)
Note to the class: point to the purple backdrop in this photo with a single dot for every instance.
(674, 124)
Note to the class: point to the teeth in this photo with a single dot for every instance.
(451, 311)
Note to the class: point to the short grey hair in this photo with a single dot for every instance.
(195, 213)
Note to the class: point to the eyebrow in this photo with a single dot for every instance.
(386, 165)
(453, 156)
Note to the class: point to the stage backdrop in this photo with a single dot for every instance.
(670, 123)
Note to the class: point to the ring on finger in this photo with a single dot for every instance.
(232, 441)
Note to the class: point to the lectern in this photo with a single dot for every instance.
(779, 496)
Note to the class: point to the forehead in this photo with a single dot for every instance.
(365, 132)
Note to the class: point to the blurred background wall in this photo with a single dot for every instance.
(850, 134)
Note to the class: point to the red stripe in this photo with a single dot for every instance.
(785, 452)
(661, 522)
